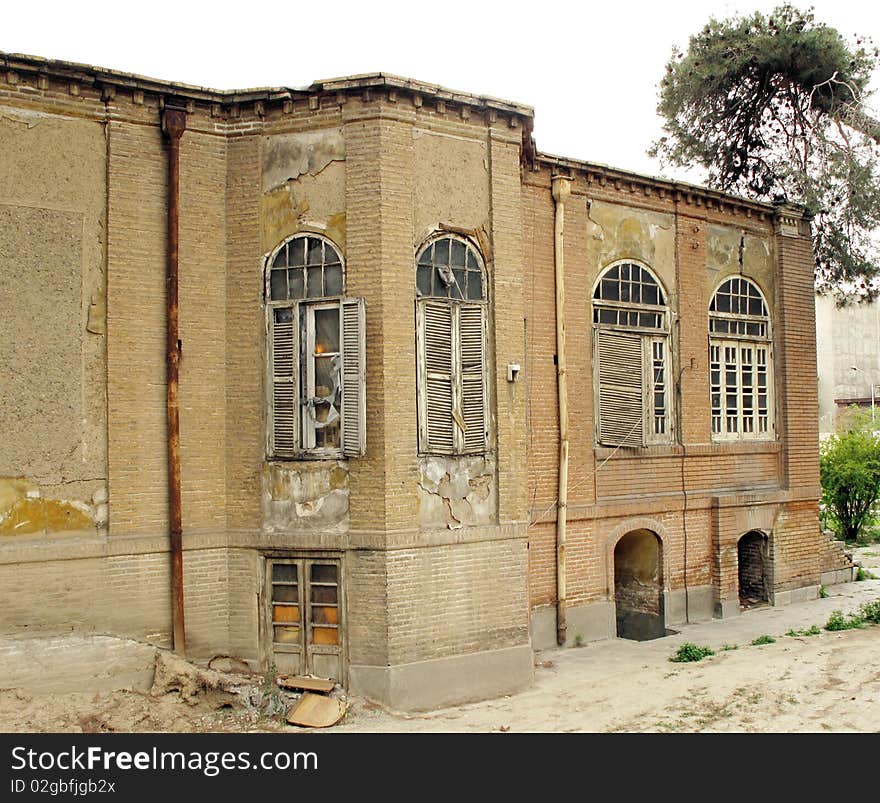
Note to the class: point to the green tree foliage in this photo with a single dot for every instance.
(849, 463)
(773, 107)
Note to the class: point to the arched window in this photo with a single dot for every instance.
(316, 352)
(451, 345)
(631, 357)
(740, 362)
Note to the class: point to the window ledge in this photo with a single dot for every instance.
(692, 450)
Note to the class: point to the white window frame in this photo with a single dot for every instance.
(741, 426)
(300, 443)
(652, 429)
(466, 410)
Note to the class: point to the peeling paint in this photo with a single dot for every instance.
(23, 510)
(619, 232)
(306, 496)
(286, 157)
(457, 492)
(732, 251)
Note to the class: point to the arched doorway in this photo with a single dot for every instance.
(751, 553)
(638, 586)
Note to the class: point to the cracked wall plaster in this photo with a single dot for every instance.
(727, 245)
(456, 492)
(305, 496)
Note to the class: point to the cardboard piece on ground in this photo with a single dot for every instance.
(316, 711)
(308, 684)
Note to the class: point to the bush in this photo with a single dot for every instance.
(849, 464)
(837, 621)
(763, 640)
(689, 652)
(870, 612)
(864, 574)
(812, 630)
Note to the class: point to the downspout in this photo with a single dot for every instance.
(173, 125)
(561, 188)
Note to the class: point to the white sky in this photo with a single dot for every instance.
(590, 71)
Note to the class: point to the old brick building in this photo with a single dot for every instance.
(370, 351)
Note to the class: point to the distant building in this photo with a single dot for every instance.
(848, 358)
(372, 476)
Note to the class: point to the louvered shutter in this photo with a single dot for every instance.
(285, 409)
(473, 385)
(436, 379)
(621, 395)
(354, 386)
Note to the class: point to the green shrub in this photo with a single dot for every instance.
(688, 652)
(849, 464)
(823, 592)
(728, 647)
(864, 574)
(812, 630)
(870, 612)
(837, 621)
(765, 639)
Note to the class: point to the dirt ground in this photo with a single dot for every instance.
(798, 683)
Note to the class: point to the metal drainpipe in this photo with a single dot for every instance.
(561, 188)
(173, 125)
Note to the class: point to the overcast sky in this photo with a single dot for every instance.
(590, 71)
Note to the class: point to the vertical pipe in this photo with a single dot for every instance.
(173, 125)
(561, 189)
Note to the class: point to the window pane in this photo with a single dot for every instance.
(280, 257)
(278, 285)
(427, 256)
(325, 614)
(607, 316)
(475, 286)
(285, 613)
(458, 252)
(324, 594)
(295, 283)
(315, 288)
(296, 252)
(423, 280)
(326, 378)
(284, 572)
(284, 315)
(609, 290)
(285, 593)
(325, 635)
(459, 287)
(316, 251)
(286, 635)
(649, 294)
(333, 280)
(441, 252)
(326, 331)
(323, 573)
(472, 260)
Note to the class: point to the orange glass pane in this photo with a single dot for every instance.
(285, 613)
(325, 635)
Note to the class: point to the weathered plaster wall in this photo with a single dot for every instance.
(303, 190)
(451, 181)
(457, 492)
(53, 464)
(622, 232)
(306, 496)
(451, 189)
(731, 251)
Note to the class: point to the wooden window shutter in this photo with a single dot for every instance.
(354, 382)
(285, 410)
(436, 377)
(621, 395)
(472, 337)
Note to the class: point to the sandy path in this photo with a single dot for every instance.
(826, 682)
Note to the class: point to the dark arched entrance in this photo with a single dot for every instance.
(751, 553)
(638, 586)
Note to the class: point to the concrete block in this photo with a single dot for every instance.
(424, 685)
